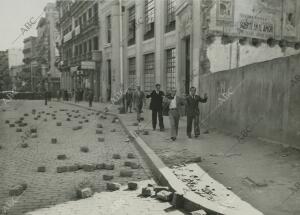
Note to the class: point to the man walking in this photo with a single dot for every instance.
(192, 105)
(91, 97)
(139, 98)
(175, 104)
(129, 98)
(156, 107)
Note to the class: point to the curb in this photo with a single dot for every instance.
(164, 176)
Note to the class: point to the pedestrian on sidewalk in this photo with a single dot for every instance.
(91, 97)
(46, 94)
(176, 109)
(139, 99)
(156, 107)
(129, 99)
(192, 109)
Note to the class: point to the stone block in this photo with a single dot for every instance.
(126, 173)
(146, 191)
(177, 200)
(73, 168)
(199, 212)
(84, 149)
(19, 130)
(116, 156)
(127, 163)
(61, 169)
(164, 195)
(113, 130)
(80, 122)
(108, 177)
(145, 132)
(135, 124)
(99, 131)
(53, 140)
(88, 167)
(7, 121)
(26, 114)
(45, 120)
(113, 186)
(33, 130)
(68, 119)
(109, 166)
(132, 185)
(100, 166)
(86, 120)
(99, 125)
(12, 125)
(130, 156)
(86, 193)
(41, 169)
(134, 165)
(61, 157)
(58, 124)
(101, 139)
(34, 135)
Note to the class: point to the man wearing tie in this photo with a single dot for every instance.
(192, 102)
(156, 107)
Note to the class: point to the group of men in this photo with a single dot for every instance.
(172, 105)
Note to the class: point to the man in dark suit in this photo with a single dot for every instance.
(156, 107)
(192, 102)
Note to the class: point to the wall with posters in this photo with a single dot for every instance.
(260, 19)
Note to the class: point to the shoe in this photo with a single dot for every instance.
(196, 136)
(162, 129)
(173, 138)
(154, 129)
(189, 136)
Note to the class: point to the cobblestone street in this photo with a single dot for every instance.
(19, 165)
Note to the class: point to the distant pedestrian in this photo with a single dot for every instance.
(46, 94)
(176, 106)
(192, 107)
(139, 99)
(58, 95)
(129, 100)
(66, 95)
(91, 97)
(156, 107)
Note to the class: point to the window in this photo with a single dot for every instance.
(90, 13)
(149, 74)
(84, 47)
(80, 49)
(171, 74)
(84, 18)
(149, 19)
(108, 25)
(76, 23)
(95, 8)
(132, 73)
(90, 45)
(131, 26)
(96, 44)
(170, 26)
(76, 50)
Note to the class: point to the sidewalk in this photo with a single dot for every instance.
(263, 174)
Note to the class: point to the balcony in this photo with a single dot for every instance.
(93, 22)
(89, 56)
(68, 37)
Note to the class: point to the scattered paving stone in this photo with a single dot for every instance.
(86, 193)
(61, 157)
(34, 135)
(99, 131)
(7, 121)
(80, 122)
(26, 114)
(113, 186)
(199, 212)
(100, 166)
(11, 125)
(126, 173)
(130, 156)
(84, 149)
(41, 169)
(134, 165)
(109, 166)
(132, 185)
(157, 188)
(164, 195)
(108, 177)
(17, 190)
(33, 130)
(116, 156)
(19, 130)
(24, 145)
(54, 118)
(195, 160)
(75, 128)
(61, 169)
(86, 120)
(135, 124)
(88, 167)
(100, 139)
(45, 120)
(58, 124)
(53, 140)
(113, 130)
(145, 132)
(127, 163)
(68, 119)
(99, 126)
(73, 168)
(146, 191)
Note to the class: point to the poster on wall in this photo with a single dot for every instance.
(289, 18)
(225, 14)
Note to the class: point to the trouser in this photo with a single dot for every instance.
(160, 119)
(128, 106)
(139, 108)
(174, 121)
(90, 102)
(189, 126)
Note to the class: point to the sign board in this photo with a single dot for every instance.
(88, 65)
(255, 26)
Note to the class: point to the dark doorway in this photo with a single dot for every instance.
(109, 80)
(187, 65)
